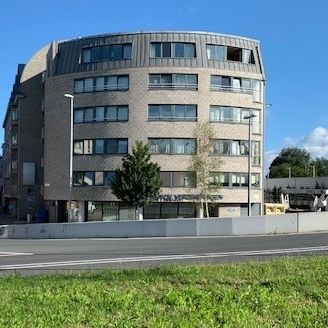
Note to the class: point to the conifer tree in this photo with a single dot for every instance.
(138, 179)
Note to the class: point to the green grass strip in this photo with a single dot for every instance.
(289, 292)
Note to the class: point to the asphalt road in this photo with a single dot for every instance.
(51, 255)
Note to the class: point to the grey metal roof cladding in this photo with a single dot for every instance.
(159, 32)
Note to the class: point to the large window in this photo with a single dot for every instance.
(236, 115)
(172, 146)
(173, 81)
(93, 178)
(102, 83)
(172, 50)
(173, 179)
(104, 53)
(172, 112)
(228, 114)
(234, 180)
(219, 52)
(230, 147)
(101, 146)
(237, 84)
(230, 83)
(109, 211)
(169, 210)
(101, 114)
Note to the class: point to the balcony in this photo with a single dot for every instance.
(257, 96)
(173, 86)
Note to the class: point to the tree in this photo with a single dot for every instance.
(321, 166)
(294, 159)
(138, 180)
(204, 166)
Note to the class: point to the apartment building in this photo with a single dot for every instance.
(149, 86)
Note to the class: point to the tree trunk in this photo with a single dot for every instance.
(206, 206)
(201, 210)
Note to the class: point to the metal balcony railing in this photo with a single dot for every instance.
(229, 88)
(177, 86)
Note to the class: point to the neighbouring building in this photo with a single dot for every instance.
(149, 86)
(298, 193)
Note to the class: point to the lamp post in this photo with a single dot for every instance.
(249, 118)
(67, 95)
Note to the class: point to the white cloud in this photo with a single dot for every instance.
(316, 143)
(290, 142)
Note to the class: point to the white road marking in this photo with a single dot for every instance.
(13, 254)
(162, 258)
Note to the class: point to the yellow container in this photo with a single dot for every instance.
(274, 209)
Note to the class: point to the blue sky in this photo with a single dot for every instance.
(293, 35)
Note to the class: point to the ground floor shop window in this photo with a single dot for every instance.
(109, 211)
(169, 210)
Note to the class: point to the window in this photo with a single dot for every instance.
(99, 146)
(86, 55)
(117, 113)
(88, 115)
(29, 173)
(172, 146)
(88, 178)
(78, 147)
(99, 178)
(109, 177)
(256, 150)
(109, 52)
(224, 179)
(172, 50)
(78, 116)
(117, 146)
(175, 179)
(221, 147)
(256, 121)
(14, 115)
(87, 147)
(232, 84)
(78, 178)
(101, 114)
(173, 81)
(219, 52)
(214, 179)
(102, 83)
(248, 56)
(256, 180)
(216, 52)
(234, 54)
(172, 112)
(256, 89)
(230, 147)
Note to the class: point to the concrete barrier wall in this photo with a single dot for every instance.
(289, 223)
(264, 224)
(313, 222)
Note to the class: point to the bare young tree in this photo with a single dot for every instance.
(204, 165)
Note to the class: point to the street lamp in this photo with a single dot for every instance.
(249, 118)
(67, 95)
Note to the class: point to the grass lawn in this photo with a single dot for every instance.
(291, 292)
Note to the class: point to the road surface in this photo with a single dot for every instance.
(52, 255)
